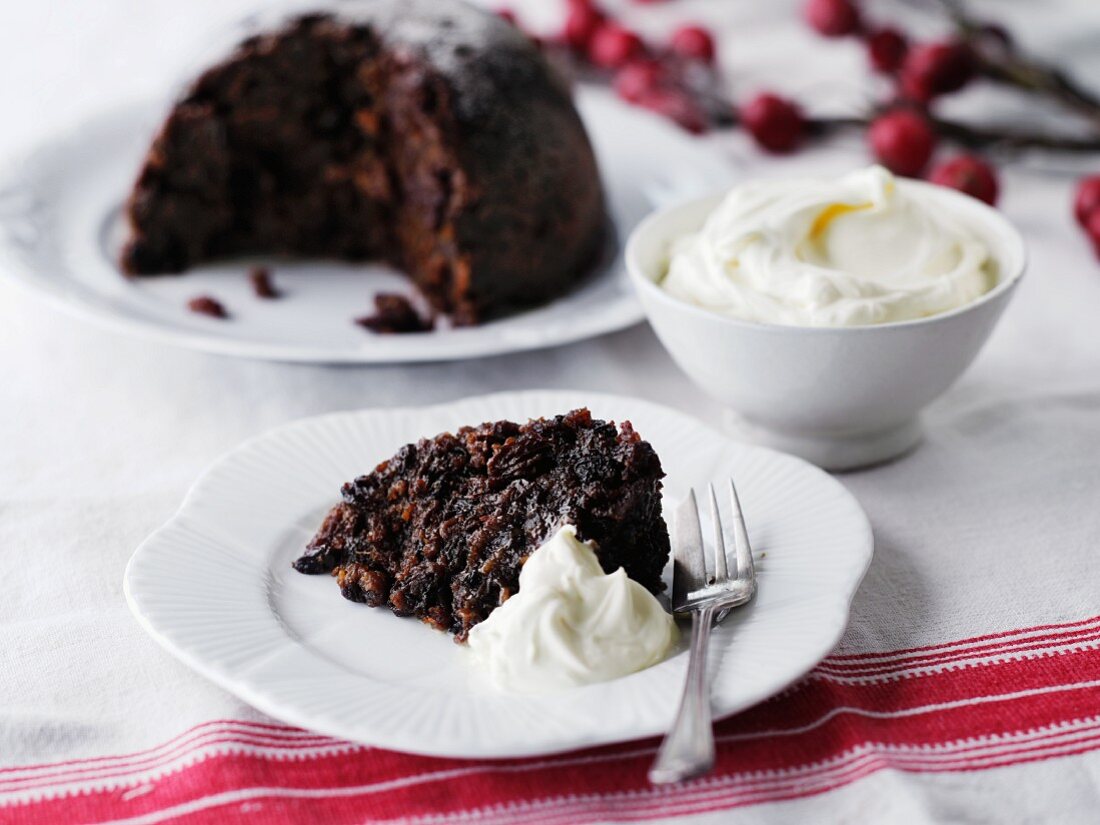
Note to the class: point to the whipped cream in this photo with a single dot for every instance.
(834, 253)
(570, 623)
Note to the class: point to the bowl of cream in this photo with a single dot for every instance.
(827, 313)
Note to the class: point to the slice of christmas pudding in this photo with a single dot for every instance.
(441, 530)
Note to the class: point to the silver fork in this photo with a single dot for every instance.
(688, 749)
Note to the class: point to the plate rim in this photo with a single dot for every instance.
(20, 170)
(292, 715)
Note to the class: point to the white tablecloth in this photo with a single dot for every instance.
(992, 524)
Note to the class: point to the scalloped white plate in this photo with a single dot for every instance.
(61, 227)
(215, 587)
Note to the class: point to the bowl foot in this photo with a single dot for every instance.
(830, 450)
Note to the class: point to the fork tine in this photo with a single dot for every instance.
(745, 569)
(721, 573)
(689, 572)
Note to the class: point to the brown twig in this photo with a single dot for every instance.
(1007, 65)
(976, 137)
(962, 134)
(1042, 80)
(968, 136)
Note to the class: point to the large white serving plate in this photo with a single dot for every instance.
(214, 586)
(61, 226)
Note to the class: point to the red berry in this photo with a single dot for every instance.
(969, 174)
(694, 43)
(932, 69)
(915, 90)
(676, 106)
(886, 49)
(638, 78)
(613, 46)
(1087, 200)
(775, 123)
(1092, 229)
(902, 141)
(832, 18)
(581, 22)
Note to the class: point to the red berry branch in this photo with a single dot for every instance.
(679, 79)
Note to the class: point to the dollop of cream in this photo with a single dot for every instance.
(835, 253)
(570, 623)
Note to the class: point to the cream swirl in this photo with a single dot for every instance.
(848, 252)
(570, 623)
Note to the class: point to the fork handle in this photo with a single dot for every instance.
(688, 748)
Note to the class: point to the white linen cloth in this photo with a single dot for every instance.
(992, 524)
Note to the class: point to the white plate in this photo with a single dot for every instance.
(215, 587)
(61, 227)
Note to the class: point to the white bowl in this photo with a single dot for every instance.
(840, 397)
